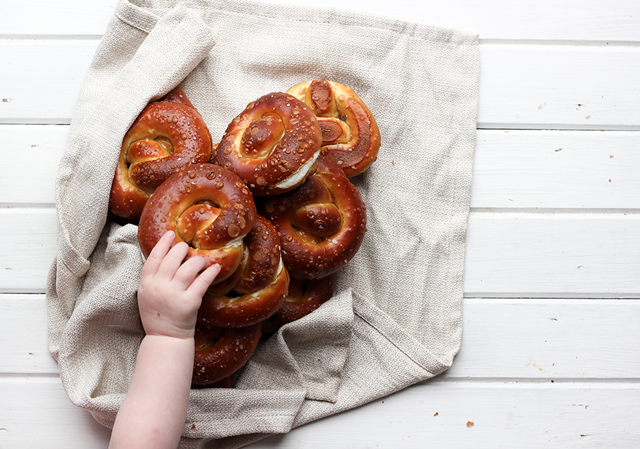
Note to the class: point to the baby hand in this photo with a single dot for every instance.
(170, 291)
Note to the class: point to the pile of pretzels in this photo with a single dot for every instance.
(271, 203)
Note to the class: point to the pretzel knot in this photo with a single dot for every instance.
(257, 288)
(208, 207)
(273, 145)
(166, 137)
(303, 298)
(349, 130)
(321, 223)
(221, 352)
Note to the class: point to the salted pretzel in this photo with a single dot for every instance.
(272, 145)
(167, 136)
(208, 207)
(321, 223)
(256, 290)
(221, 352)
(303, 298)
(349, 130)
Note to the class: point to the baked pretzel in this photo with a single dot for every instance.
(256, 290)
(272, 145)
(221, 352)
(166, 136)
(208, 207)
(321, 223)
(303, 298)
(349, 130)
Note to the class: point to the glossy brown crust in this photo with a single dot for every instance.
(349, 130)
(166, 137)
(227, 382)
(177, 95)
(208, 207)
(256, 290)
(271, 140)
(221, 352)
(321, 223)
(303, 298)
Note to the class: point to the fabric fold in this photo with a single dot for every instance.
(318, 345)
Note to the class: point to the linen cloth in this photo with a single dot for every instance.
(395, 318)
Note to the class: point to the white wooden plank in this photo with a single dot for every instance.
(36, 413)
(577, 170)
(547, 254)
(552, 339)
(559, 87)
(502, 339)
(508, 254)
(521, 86)
(613, 20)
(27, 249)
(512, 170)
(23, 335)
(41, 79)
(38, 147)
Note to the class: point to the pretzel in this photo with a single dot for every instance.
(321, 223)
(272, 145)
(303, 298)
(256, 290)
(221, 352)
(349, 130)
(208, 207)
(166, 137)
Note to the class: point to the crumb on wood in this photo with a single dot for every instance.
(470, 423)
(435, 414)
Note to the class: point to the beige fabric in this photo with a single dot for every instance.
(396, 316)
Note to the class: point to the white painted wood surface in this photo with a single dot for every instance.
(550, 353)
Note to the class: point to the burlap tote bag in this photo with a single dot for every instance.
(395, 318)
